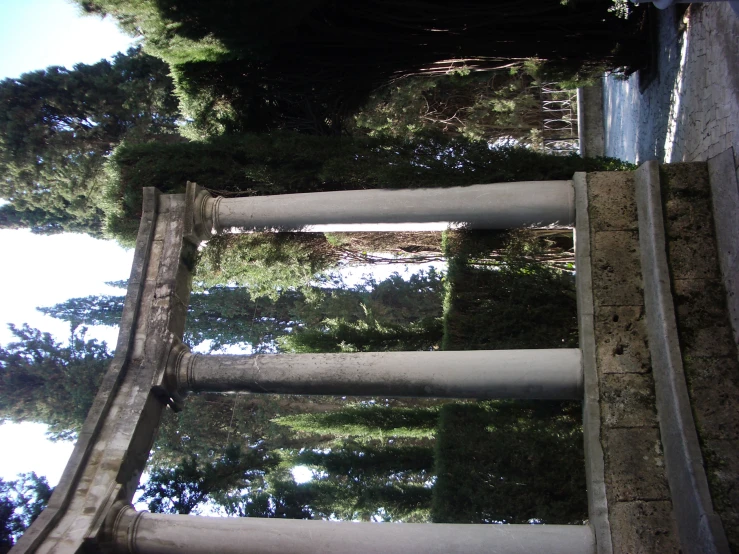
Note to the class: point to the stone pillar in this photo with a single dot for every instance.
(145, 533)
(552, 374)
(590, 122)
(495, 206)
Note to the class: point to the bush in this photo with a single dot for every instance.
(516, 302)
(509, 462)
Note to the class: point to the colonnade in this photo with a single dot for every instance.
(111, 453)
(546, 374)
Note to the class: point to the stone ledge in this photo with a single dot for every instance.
(693, 508)
(644, 528)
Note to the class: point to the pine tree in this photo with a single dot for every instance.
(43, 381)
(21, 502)
(57, 126)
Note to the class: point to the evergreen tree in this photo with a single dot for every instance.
(258, 66)
(231, 315)
(357, 460)
(21, 502)
(57, 126)
(367, 422)
(183, 488)
(43, 381)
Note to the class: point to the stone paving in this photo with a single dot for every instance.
(690, 110)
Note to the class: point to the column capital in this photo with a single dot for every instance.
(201, 214)
(119, 529)
(170, 382)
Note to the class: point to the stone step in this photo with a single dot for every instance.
(693, 352)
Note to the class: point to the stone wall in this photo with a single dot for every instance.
(706, 342)
(638, 496)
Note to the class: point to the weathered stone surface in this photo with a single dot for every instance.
(691, 178)
(702, 320)
(621, 340)
(616, 269)
(688, 216)
(634, 465)
(643, 528)
(693, 257)
(590, 124)
(612, 202)
(722, 461)
(714, 390)
(627, 400)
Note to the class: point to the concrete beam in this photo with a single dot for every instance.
(145, 533)
(495, 206)
(552, 374)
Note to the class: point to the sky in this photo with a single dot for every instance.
(44, 270)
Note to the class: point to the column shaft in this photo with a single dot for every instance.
(146, 533)
(530, 374)
(494, 206)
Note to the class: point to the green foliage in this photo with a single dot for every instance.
(279, 498)
(266, 263)
(56, 127)
(366, 335)
(479, 106)
(282, 163)
(221, 315)
(89, 310)
(336, 497)
(359, 460)
(367, 422)
(43, 381)
(181, 489)
(307, 65)
(409, 312)
(21, 502)
(514, 303)
(510, 462)
(383, 499)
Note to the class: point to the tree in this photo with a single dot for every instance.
(258, 66)
(355, 459)
(513, 301)
(21, 502)
(43, 381)
(57, 126)
(367, 422)
(489, 106)
(366, 335)
(226, 315)
(184, 487)
(510, 462)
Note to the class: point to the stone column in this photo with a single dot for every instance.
(553, 374)
(145, 533)
(494, 206)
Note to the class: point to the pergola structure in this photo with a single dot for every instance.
(90, 509)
